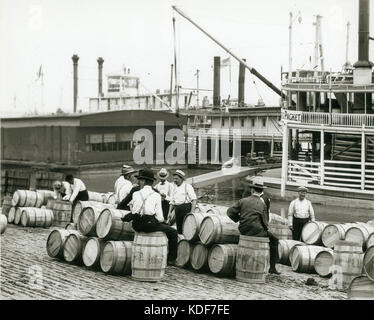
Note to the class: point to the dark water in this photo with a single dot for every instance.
(227, 193)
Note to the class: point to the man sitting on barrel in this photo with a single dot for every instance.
(147, 213)
(251, 212)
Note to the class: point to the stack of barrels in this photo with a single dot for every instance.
(28, 208)
(108, 197)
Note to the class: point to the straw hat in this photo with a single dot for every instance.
(302, 188)
(163, 173)
(180, 174)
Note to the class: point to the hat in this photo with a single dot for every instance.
(257, 183)
(302, 188)
(180, 174)
(127, 170)
(146, 174)
(163, 173)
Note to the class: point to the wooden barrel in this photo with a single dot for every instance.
(6, 205)
(191, 225)
(149, 256)
(56, 241)
(109, 226)
(312, 232)
(202, 207)
(361, 288)
(359, 234)
(61, 213)
(218, 229)
(116, 258)
(199, 257)
(222, 259)
(80, 205)
(47, 195)
(180, 237)
(96, 196)
(12, 214)
(252, 259)
(92, 251)
(282, 232)
(3, 223)
(333, 233)
(183, 253)
(302, 258)
(217, 210)
(349, 258)
(284, 248)
(50, 203)
(27, 198)
(323, 262)
(369, 263)
(110, 198)
(73, 248)
(18, 215)
(277, 219)
(370, 241)
(36, 217)
(71, 226)
(87, 221)
(370, 222)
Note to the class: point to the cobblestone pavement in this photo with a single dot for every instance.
(25, 248)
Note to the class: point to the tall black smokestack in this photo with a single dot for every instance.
(363, 34)
(217, 82)
(75, 67)
(241, 82)
(100, 62)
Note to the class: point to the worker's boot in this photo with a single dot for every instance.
(273, 260)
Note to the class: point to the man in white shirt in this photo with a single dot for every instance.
(299, 213)
(183, 200)
(79, 190)
(146, 212)
(61, 189)
(165, 188)
(124, 183)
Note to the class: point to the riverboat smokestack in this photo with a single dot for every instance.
(75, 59)
(217, 82)
(241, 82)
(100, 62)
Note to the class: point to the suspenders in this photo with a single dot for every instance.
(144, 199)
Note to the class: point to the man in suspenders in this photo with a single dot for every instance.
(183, 200)
(165, 188)
(124, 183)
(146, 212)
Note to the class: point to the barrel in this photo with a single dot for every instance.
(284, 248)
(71, 226)
(3, 223)
(116, 258)
(312, 232)
(36, 217)
(92, 251)
(370, 241)
(202, 207)
(56, 241)
(222, 258)
(199, 257)
(61, 213)
(252, 259)
(80, 205)
(191, 225)
(369, 263)
(12, 214)
(110, 198)
(184, 249)
(50, 203)
(73, 248)
(277, 219)
(370, 222)
(47, 195)
(149, 256)
(6, 205)
(348, 258)
(87, 221)
(302, 258)
(333, 233)
(109, 225)
(323, 262)
(96, 196)
(27, 198)
(17, 215)
(361, 288)
(282, 232)
(217, 210)
(359, 234)
(218, 229)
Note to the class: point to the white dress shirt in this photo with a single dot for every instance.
(78, 186)
(66, 188)
(300, 209)
(147, 201)
(122, 188)
(165, 189)
(183, 194)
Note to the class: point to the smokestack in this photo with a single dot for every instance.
(217, 83)
(75, 59)
(100, 62)
(241, 84)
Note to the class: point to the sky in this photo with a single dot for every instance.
(139, 35)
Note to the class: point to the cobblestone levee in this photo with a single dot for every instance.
(22, 248)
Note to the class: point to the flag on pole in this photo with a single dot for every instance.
(226, 62)
(39, 74)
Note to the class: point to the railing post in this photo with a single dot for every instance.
(363, 158)
(322, 158)
(284, 160)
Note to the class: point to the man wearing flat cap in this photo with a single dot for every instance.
(165, 188)
(252, 214)
(299, 213)
(183, 200)
(124, 183)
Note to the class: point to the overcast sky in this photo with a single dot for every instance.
(139, 35)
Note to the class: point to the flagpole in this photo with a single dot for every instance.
(42, 91)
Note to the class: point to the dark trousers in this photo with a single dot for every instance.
(81, 196)
(297, 227)
(180, 212)
(165, 208)
(153, 226)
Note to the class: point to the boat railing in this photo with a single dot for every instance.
(231, 132)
